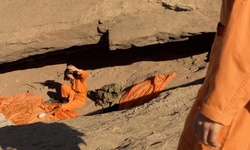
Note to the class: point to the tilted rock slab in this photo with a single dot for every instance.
(31, 27)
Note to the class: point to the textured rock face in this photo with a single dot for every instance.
(31, 27)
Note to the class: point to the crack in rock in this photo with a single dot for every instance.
(177, 7)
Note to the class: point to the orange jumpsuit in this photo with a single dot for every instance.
(224, 95)
(145, 91)
(76, 93)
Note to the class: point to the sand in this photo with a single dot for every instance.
(155, 125)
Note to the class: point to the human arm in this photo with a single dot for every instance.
(227, 83)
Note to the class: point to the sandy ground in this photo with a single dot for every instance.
(154, 125)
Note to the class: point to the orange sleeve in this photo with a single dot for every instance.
(79, 84)
(226, 89)
(83, 74)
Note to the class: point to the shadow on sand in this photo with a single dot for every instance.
(40, 136)
(51, 84)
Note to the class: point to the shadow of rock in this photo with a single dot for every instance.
(40, 136)
(115, 107)
(92, 57)
(198, 81)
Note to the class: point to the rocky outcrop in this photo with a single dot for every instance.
(31, 27)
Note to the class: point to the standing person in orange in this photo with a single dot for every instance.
(220, 116)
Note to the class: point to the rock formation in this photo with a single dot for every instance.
(31, 27)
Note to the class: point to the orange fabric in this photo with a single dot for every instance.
(144, 91)
(225, 93)
(76, 93)
(67, 91)
(79, 84)
(24, 109)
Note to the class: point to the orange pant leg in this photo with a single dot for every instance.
(67, 91)
(78, 101)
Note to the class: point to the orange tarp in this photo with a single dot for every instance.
(145, 91)
(24, 109)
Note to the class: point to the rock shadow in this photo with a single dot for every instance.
(39, 136)
(198, 81)
(99, 56)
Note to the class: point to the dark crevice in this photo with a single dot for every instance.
(98, 56)
(176, 8)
